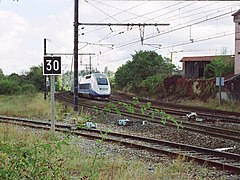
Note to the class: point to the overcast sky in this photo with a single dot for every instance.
(196, 28)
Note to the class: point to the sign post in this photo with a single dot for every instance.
(220, 83)
(52, 66)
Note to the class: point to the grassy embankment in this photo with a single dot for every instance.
(214, 104)
(24, 106)
(27, 154)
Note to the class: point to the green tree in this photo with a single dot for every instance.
(15, 77)
(108, 72)
(222, 65)
(1, 74)
(144, 64)
(35, 77)
(8, 87)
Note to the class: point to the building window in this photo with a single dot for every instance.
(238, 53)
(239, 23)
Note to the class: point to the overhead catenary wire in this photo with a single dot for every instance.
(227, 7)
(102, 11)
(173, 29)
(137, 16)
(224, 34)
(170, 31)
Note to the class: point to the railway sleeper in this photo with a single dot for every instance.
(194, 153)
(216, 159)
(182, 152)
(206, 156)
(234, 164)
(229, 161)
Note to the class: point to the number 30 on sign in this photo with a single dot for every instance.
(52, 65)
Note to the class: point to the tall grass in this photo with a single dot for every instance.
(25, 154)
(214, 104)
(28, 154)
(29, 105)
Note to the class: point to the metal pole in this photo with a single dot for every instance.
(124, 24)
(52, 103)
(76, 56)
(45, 77)
(90, 65)
(220, 89)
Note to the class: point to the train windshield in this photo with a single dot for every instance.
(102, 81)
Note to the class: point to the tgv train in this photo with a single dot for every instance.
(95, 85)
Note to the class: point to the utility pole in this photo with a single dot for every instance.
(75, 100)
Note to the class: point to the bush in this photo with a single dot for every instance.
(9, 87)
(28, 89)
(152, 85)
(21, 160)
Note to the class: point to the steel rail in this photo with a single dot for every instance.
(177, 109)
(221, 160)
(213, 131)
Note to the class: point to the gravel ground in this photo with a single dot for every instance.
(165, 132)
(162, 132)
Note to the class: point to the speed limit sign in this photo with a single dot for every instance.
(52, 65)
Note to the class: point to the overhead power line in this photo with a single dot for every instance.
(101, 11)
(124, 24)
(173, 30)
(198, 40)
(138, 16)
(141, 26)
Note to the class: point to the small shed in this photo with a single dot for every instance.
(193, 67)
(233, 87)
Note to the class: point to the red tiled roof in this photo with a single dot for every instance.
(201, 58)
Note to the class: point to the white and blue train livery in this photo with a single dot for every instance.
(94, 85)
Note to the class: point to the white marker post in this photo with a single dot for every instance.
(52, 103)
(220, 83)
(52, 66)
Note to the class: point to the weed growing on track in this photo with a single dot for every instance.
(145, 109)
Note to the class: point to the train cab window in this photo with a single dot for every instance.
(102, 81)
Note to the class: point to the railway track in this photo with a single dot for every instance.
(190, 126)
(221, 160)
(181, 110)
